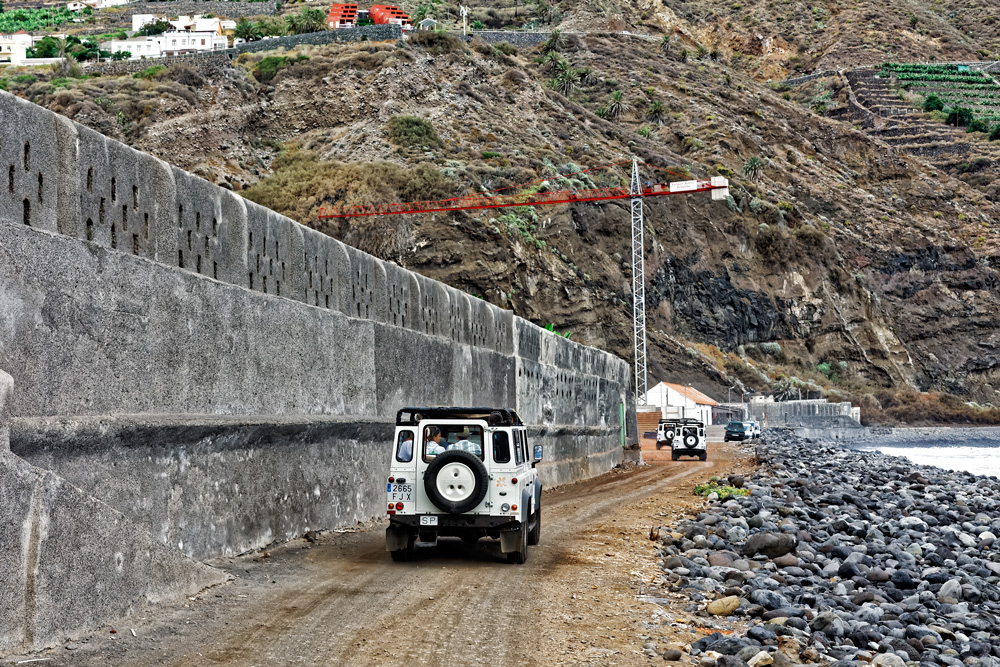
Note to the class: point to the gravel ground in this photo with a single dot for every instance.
(838, 556)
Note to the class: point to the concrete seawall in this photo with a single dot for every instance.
(199, 376)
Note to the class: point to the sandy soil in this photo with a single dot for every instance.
(586, 595)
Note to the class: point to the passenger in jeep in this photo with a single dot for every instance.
(467, 445)
(432, 442)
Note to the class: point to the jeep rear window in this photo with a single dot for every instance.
(404, 447)
(465, 437)
(501, 447)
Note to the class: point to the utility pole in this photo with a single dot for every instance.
(465, 20)
(638, 286)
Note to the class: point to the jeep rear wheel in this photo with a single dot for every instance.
(521, 555)
(456, 481)
(535, 534)
(406, 553)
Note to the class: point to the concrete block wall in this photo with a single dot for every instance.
(129, 287)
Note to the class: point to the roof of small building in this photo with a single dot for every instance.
(692, 393)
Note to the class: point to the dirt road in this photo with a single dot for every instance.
(341, 600)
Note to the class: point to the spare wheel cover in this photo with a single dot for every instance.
(456, 481)
(690, 440)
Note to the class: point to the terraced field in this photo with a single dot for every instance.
(956, 86)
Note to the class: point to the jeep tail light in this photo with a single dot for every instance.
(513, 480)
(399, 506)
(513, 508)
(391, 505)
(392, 479)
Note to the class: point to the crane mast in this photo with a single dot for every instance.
(638, 286)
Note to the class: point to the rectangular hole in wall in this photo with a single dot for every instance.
(100, 214)
(197, 263)
(27, 155)
(215, 226)
(215, 270)
(90, 179)
(135, 244)
(114, 236)
(145, 225)
(180, 258)
(90, 229)
(180, 216)
(124, 217)
(10, 179)
(263, 282)
(114, 189)
(197, 221)
(277, 287)
(135, 196)
(39, 187)
(251, 280)
(190, 245)
(27, 212)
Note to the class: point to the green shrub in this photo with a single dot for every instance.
(436, 43)
(412, 131)
(995, 133)
(269, 67)
(977, 125)
(490, 154)
(150, 72)
(506, 49)
(724, 491)
(933, 103)
(959, 116)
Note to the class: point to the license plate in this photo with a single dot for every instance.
(401, 493)
(428, 521)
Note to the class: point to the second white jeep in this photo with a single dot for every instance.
(462, 472)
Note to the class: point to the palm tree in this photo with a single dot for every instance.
(248, 31)
(665, 45)
(616, 105)
(566, 80)
(307, 20)
(753, 168)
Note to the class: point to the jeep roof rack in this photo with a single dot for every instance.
(492, 416)
(685, 420)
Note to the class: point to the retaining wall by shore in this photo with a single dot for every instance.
(213, 376)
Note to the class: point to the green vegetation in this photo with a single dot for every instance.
(268, 67)
(724, 491)
(150, 72)
(436, 43)
(753, 168)
(33, 20)
(413, 131)
(551, 327)
(933, 103)
(248, 31)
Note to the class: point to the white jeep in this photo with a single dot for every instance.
(683, 436)
(462, 472)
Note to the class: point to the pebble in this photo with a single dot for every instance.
(865, 557)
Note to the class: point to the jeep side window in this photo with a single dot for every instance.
(501, 447)
(518, 452)
(404, 447)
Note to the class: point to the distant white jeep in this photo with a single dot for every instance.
(683, 436)
(462, 472)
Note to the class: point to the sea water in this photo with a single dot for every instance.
(981, 459)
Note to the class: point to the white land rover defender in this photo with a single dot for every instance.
(683, 436)
(462, 472)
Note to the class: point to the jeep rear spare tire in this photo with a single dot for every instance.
(456, 481)
(690, 441)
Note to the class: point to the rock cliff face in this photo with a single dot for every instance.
(840, 261)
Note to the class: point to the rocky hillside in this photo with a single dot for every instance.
(840, 262)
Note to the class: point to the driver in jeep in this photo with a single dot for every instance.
(432, 442)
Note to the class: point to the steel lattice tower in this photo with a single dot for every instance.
(638, 286)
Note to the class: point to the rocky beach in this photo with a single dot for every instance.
(841, 557)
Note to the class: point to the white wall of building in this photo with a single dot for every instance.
(673, 404)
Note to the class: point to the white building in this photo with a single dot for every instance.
(12, 52)
(175, 43)
(681, 401)
(139, 47)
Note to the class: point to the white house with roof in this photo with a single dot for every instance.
(13, 51)
(681, 401)
(140, 47)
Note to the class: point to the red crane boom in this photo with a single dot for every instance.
(487, 200)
